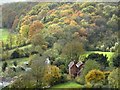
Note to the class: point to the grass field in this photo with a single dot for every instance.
(109, 54)
(67, 85)
(4, 34)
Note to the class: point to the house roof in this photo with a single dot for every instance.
(79, 63)
(71, 64)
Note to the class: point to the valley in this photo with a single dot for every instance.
(59, 45)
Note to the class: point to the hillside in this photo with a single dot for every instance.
(95, 24)
(60, 44)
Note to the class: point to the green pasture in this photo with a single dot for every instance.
(109, 54)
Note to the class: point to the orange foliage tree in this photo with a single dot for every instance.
(35, 27)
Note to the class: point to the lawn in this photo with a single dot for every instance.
(109, 54)
(67, 85)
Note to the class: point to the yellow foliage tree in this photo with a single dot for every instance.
(94, 76)
(52, 75)
(24, 30)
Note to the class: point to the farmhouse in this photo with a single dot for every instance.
(75, 68)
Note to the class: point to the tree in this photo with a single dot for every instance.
(37, 65)
(94, 77)
(50, 40)
(113, 22)
(10, 40)
(72, 50)
(35, 27)
(24, 30)
(52, 75)
(38, 40)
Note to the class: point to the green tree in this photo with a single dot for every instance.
(72, 50)
(37, 69)
(38, 40)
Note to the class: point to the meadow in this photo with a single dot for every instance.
(4, 34)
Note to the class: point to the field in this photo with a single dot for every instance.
(3, 34)
(67, 85)
(109, 54)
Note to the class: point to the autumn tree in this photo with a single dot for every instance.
(94, 77)
(35, 27)
(52, 75)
